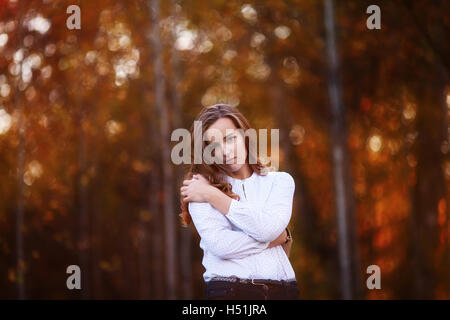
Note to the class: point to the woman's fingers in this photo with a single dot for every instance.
(184, 189)
(187, 182)
(201, 177)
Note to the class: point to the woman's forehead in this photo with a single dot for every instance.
(222, 125)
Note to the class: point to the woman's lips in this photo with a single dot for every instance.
(230, 161)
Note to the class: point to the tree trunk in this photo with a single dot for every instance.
(144, 256)
(430, 187)
(167, 179)
(177, 122)
(157, 237)
(82, 201)
(342, 181)
(20, 256)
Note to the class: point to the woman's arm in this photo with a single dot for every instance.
(220, 239)
(264, 224)
(280, 240)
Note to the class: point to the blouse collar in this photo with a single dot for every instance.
(232, 180)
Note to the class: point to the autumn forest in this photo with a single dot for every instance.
(86, 116)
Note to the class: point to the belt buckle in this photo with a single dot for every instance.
(257, 284)
(264, 286)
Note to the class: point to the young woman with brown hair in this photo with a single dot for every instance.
(241, 212)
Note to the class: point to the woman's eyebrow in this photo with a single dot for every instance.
(228, 135)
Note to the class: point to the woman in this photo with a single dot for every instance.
(241, 212)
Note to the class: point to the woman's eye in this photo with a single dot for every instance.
(231, 138)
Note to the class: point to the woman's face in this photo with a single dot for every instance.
(232, 147)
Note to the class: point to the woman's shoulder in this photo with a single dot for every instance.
(280, 176)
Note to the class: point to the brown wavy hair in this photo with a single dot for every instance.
(215, 173)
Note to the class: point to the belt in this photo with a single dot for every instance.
(253, 281)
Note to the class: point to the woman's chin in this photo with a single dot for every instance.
(234, 167)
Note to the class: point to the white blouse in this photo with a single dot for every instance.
(236, 244)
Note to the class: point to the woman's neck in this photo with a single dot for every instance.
(243, 173)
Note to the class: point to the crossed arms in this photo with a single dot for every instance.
(261, 228)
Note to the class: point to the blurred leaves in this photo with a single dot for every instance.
(95, 87)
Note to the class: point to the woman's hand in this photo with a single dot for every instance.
(196, 190)
(281, 240)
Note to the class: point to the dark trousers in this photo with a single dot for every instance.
(224, 290)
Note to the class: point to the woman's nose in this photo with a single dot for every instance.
(229, 153)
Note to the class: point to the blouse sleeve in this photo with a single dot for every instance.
(216, 231)
(267, 223)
